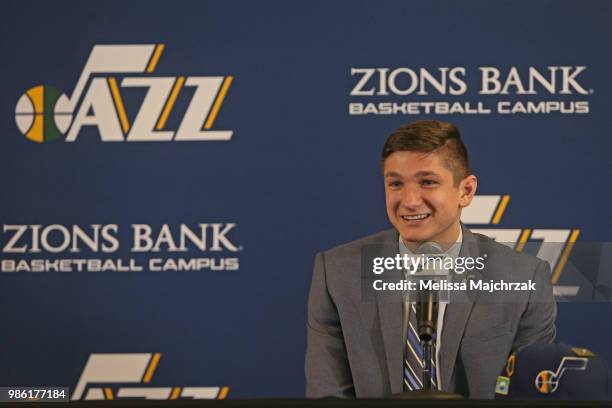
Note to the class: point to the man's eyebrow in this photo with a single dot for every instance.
(392, 174)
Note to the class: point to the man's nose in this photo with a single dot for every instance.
(411, 198)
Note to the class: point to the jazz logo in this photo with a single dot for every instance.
(44, 113)
(553, 245)
(547, 381)
(102, 370)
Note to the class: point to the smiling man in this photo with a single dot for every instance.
(357, 348)
(427, 182)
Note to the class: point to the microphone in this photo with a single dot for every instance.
(427, 302)
(427, 316)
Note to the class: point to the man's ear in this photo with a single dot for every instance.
(467, 189)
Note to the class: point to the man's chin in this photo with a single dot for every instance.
(416, 236)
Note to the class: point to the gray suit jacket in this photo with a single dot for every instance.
(355, 347)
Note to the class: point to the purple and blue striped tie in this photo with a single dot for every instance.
(413, 361)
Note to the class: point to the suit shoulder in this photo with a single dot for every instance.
(342, 265)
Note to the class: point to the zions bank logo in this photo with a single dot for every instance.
(554, 245)
(128, 375)
(44, 113)
(459, 90)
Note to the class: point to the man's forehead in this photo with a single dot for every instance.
(414, 164)
(415, 158)
(419, 173)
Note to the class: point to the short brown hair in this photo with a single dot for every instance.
(428, 136)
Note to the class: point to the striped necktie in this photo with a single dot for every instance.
(413, 361)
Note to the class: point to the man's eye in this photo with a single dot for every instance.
(428, 182)
(395, 184)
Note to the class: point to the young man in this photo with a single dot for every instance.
(361, 349)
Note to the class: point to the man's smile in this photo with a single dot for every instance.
(415, 217)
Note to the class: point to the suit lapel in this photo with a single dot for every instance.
(391, 328)
(390, 309)
(457, 314)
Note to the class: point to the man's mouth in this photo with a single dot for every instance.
(415, 217)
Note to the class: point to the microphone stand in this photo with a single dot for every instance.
(427, 313)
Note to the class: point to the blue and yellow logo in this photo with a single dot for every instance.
(45, 114)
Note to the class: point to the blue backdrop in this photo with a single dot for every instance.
(299, 174)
